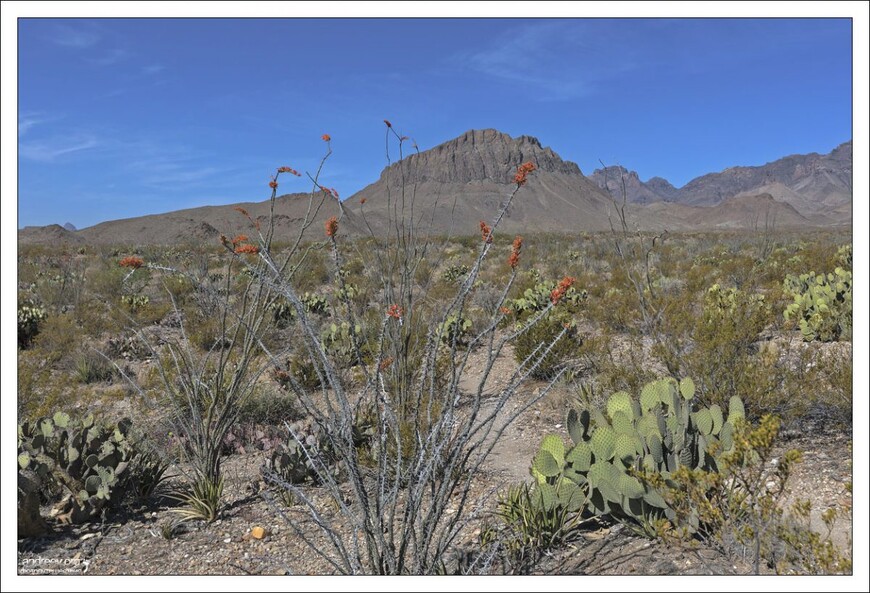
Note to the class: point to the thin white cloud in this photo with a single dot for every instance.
(50, 149)
(74, 37)
(29, 120)
(555, 60)
(153, 69)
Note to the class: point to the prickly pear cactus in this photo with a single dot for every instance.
(663, 430)
(87, 459)
(822, 304)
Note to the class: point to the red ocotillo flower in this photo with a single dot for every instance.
(514, 258)
(247, 248)
(523, 172)
(504, 310)
(395, 311)
(332, 191)
(273, 184)
(131, 262)
(485, 232)
(362, 200)
(242, 211)
(385, 363)
(559, 292)
(240, 239)
(331, 227)
(326, 137)
(389, 125)
(289, 170)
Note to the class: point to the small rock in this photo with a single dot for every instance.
(227, 540)
(258, 532)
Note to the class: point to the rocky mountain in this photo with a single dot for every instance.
(453, 186)
(450, 188)
(617, 179)
(819, 187)
(70, 226)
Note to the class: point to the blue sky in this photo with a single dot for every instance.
(119, 118)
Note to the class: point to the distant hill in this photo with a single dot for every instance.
(450, 188)
(818, 186)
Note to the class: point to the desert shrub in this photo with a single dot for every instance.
(91, 367)
(722, 341)
(739, 507)
(822, 305)
(30, 317)
(557, 329)
(553, 326)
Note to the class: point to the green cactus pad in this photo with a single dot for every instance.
(546, 465)
(575, 429)
(704, 420)
(554, 445)
(622, 423)
(649, 396)
(61, 419)
(92, 460)
(735, 409)
(687, 388)
(93, 483)
(654, 444)
(580, 457)
(619, 402)
(625, 448)
(629, 486)
(24, 460)
(603, 443)
(726, 437)
(647, 425)
(718, 420)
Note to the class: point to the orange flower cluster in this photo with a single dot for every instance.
(514, 258)
(326, 137)
(244, 213)
(331, 227)
(362, 200)
(332, 191)
(240, 239)
(504, 310)
(485, 232)
(247, 248)
(523, 172)
(132, 262)
(289, 170)
(395, 311)
(273, 184)
(559, 292)
(385, 363)
(389, 125)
